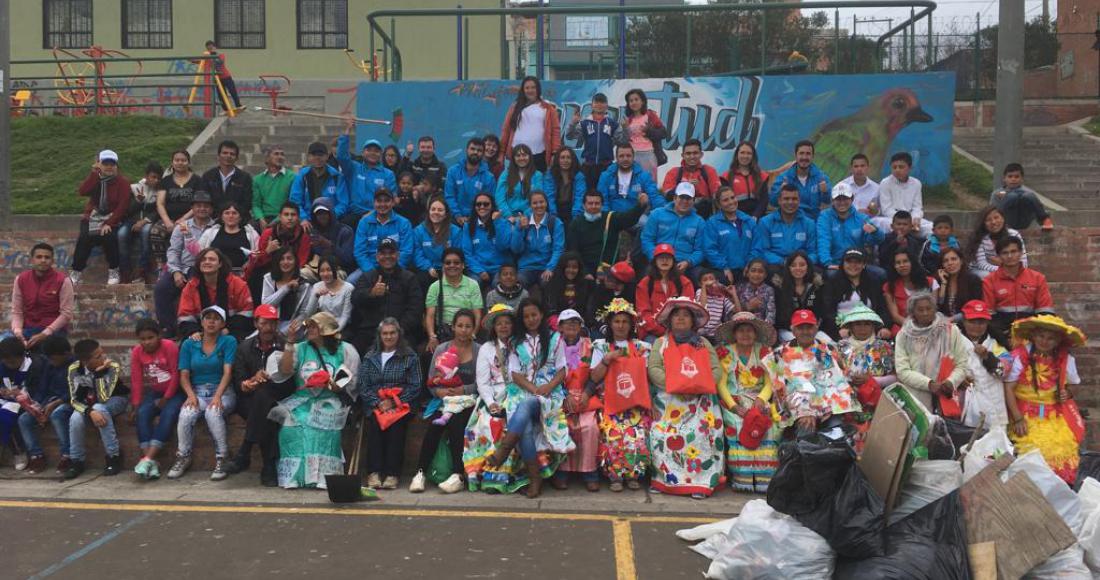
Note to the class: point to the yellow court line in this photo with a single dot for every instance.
(624, 550)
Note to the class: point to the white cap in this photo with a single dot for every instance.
(108, 155)
(215, 309)
(685, 188)
(569, 314)
(842, 189)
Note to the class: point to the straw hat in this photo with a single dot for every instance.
(860, 313)
(1023, 329)
(699, 313)
(494, 312)
(765, 333)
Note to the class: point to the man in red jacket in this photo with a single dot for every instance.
(108, 194)
(692, 170)
(41, 299)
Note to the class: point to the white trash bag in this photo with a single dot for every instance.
(993, 444)
(1069, 563)
(1089, 538)
(928, 481)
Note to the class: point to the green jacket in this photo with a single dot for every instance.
(270, 193)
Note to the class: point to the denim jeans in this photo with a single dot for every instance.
(112, 407)
(59, 418)
(166, 298)
(156, 436)
(215, 420)
(525, 421)
(125, 243)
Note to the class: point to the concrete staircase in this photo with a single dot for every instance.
(254, 131)
(1060, 163)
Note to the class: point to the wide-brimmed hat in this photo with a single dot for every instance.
(616, 306)
(1023, 329)
(496, 311)
(326, 324)
(765, 333)
(699, 313)
(859, 313)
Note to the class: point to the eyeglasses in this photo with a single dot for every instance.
(483, 204)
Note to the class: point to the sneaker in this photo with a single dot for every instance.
(616, 486)
(1047, 225)
(633, 484)
(154, 470)
(417, 485)
(452, 484)
(374, 481)
(76, 467)
(142, 468)
(219, 472)
(390, 482)
(21, 461)
(37, 464)
(75, 276)
(113, 278)
(113, 465)
(63, 464)
(180, 467)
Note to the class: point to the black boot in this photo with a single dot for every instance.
(269, 477)
(113, 465)
(76, 468)
(242, 461)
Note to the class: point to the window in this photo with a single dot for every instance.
(66, 23)
(240, 24)
(322, 23)
(147, 24)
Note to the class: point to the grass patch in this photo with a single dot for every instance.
(52, 155)
(974, 179)
(1093, 126)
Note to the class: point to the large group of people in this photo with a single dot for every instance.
(548, 314)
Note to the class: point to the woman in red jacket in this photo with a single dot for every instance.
(749, 182)
(533, 122)
(662, 281)
(219, 288)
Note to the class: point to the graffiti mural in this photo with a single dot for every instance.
(877, 115)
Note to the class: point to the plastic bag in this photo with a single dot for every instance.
(853, 521)
(1089, 537)
(440, 468)
(928, 481)
(938, 442)
(763, 543)
(810, 471)
(1089, 466)
(1069, 564)
(929, 544)
(991, 446)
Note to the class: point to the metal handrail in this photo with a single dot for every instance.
(927, 5)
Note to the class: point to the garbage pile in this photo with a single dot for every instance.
(925, 500)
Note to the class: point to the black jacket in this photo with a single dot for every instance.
(913, 243)
(435, 169)
(786, 303)
(250, 359)
(239, 191)
(586, 238)
(838, 288)
(404, 300)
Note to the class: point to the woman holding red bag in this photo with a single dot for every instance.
(745, 391)
(686, 437)
(619, 364)
(581, 405)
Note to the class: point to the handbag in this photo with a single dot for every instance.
(626, 384)
(443, 331)
(687, 370)
(754, 426)
(949, 405)
(386, 419)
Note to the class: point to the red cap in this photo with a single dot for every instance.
(754, 426)
(623, 272)
(318, 380)
(976, 309)
(664, 249)
(803, 317)
(266, 311)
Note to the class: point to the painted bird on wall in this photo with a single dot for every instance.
(870, 131)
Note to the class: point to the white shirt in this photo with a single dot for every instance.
(862, 195)
(531, 129)
(226, 178)
(894, 196)
(624, 181)
(490, 377)
(386, 356)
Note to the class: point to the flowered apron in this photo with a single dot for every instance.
(749, 469)
(624, 446)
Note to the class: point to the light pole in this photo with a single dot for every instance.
(5, 117)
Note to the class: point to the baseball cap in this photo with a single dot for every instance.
(201, 197)
(215, 309)
(383, 191)
(976, 309)
(265, 312)
(569, 314)
(372, 143)
(853, 254)
(842, 190)
(387, 244)
(108, 155)
(623, 272)
(685, 188)
(664, 249)
(317, 148)
(803, 316)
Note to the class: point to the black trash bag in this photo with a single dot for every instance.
(938, 441)
(1088, 467)
(820, 486)
(929, 544)
(961, 434)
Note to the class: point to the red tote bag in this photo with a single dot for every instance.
(578, 378)
(626, 384)
(687, 370)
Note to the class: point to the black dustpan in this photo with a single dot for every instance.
(346, 488)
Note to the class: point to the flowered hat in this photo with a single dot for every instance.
(494, 312)
(859, 313)
(699, 313)
(1023, 329)
(765, 333)
(616, 306)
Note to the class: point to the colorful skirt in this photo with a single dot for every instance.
(750, 469)
(687, 445)
(623, 449)
(484, 432)
(1051, 435)
(309, 440)
(584, 430)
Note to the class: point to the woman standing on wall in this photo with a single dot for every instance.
(643, 130)
(533, 122)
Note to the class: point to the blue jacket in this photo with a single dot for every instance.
(370, 232)
(580, 185)
(836, 236)
(362, 181)
(459, 190)
(640, 182)
(517, 203)
(339, 234)
(684, 233)
(540, 247)
(596, 139)
(299, 193)
(426, 253)
(729, 244)
(776, 239)
(810, 195)
(483, 254)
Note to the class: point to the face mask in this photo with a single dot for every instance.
(591, 217)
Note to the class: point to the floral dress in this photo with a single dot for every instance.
(484, 431)
(1055, 429)
(685, 440)
(624, 450)
(812, 381)
(743, 380)
(874, 358)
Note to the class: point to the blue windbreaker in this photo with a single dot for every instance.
(836, 236)
(517, 203)
(810, 195)
(580, 185)
(729, 244)
(684, 233)
(775, 239)
(483, 254)
(370, 233)
(426, 253)
(460, 189)
(640, 182)
(362, 181)
(299, 193)
(540, 247)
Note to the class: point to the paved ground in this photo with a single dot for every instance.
(194, 527)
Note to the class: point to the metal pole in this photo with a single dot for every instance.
(931, 52)
(503, 44)
(687, 48)
(912, 40)
(5, 119)
(370, 58)
(458, 44)
(836, 41)
(978, 59)
(466, 48)
(763, 42)
(622, 42)
(538, 44)
(389, 55)
(1008, 130)
(852, 46)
